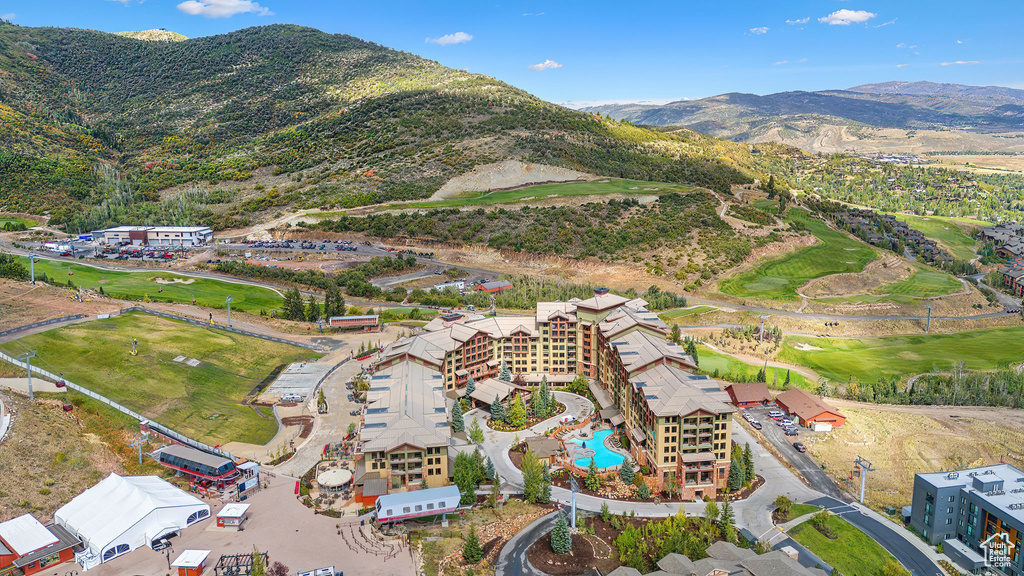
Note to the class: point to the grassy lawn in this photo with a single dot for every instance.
(204, 402)
(779, 279)
(799, 510)
(390, 314)
(5, 219)
(853, 553)
(867, 359)
(946, 231)
(683, 312)
(177, 288)
(597, 187)
(924, 283)
(735, 370)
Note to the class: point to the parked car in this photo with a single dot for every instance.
(787, 423)
(351, 398)
(747, 416)
(755, 424)
(799, 447)
(354, 412)
(161, 544)
(792, 432)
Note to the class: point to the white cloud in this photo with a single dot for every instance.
(799, 21)
(901, 45)
(780, 63)
(884, 24)
(545, 65)
(759, 31)
(846, 17)
(533, 13)
(8, 16)
(901, 65)
(449, 39)
(802, 60)
(223, 8)
(959, 41)
(960, 63)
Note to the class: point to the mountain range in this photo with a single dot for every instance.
(155, 128)
(906, 116)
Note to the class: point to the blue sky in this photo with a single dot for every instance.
(568, 50)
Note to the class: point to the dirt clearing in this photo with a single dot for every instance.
(901, 441)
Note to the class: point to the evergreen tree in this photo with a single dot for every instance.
(533, 478)
(497, 410)
(476, 434)
(489, 470)
(691, 350)
(293, 307)
(561, 538)
(785, 384)
(466, 476)
(312, 309)
(545, 487)
(748, 463)
(458, 424)
(259, 565)
(643, 492)
(545, 397)
(675, 334)
(736, 479)
(626, 472)
(725, 520)
(771, 187)
(593, 479)
(517, 413)
(504, 372)
(470, 386)
(472, 552)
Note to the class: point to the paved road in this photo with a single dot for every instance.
(803, 462)
(909, 550)
(513, 561)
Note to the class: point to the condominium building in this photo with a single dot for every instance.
(680, 423)
(970, 511)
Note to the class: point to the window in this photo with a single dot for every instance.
(430, 505)
(391, 512)
(406, 510)
(441, 504)
(952, 498)
(419, 508)
(197, 516)
(115, 551)
(949, 521)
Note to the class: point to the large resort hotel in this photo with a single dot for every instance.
(679, 423)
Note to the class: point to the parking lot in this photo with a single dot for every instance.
(803, 462)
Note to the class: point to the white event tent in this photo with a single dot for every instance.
(122, 513)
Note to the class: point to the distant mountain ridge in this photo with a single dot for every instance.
(870, 111)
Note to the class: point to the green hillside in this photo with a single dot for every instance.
(228, 129)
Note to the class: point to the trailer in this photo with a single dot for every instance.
(417, 504)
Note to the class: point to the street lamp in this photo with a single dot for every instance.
(229, 301)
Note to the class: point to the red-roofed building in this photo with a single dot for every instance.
(808, 409)
(749, 394)
(494, 287)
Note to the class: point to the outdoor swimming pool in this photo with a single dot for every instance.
(603, 457)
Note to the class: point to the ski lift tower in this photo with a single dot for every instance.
(228, 302)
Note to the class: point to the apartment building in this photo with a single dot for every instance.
(680, 423)
(971, 510)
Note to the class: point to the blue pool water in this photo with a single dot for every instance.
(603, 457)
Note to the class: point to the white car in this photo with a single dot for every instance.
(787, 423)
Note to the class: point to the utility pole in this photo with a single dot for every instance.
(575, 488)
(229, 301)
(865, 467)
(27, 359)
(760, 334)
(928, 324)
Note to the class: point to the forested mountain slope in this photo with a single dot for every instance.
(97, 127)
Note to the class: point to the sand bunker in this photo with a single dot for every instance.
(159, 280)
(805, 347)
